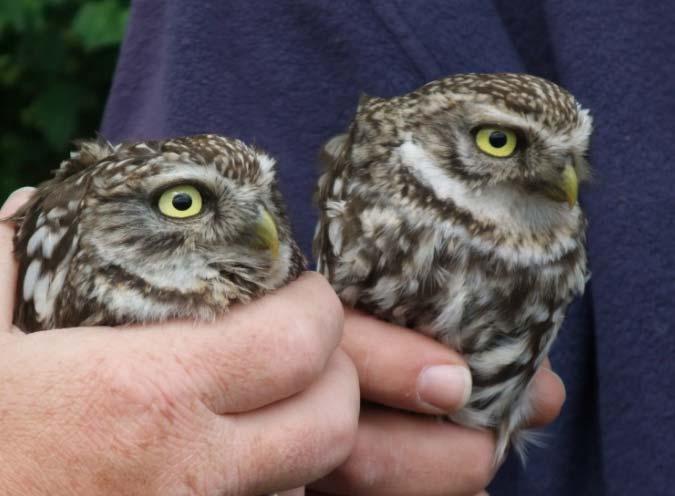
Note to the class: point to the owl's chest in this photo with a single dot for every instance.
(438, 278)
(467, 289)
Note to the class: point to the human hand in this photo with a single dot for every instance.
(398, 453)
(259, 400)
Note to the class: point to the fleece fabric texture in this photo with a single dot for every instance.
(286, 75)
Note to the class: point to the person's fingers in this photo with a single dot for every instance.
(317, 493)
(402, 454)
(8, 266)
(300, 439)
(404, 369)
(256, 354)
(548, 395)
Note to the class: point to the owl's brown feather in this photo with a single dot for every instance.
(421, 228)
(94, 249)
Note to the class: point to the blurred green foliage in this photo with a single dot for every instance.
(57, 58)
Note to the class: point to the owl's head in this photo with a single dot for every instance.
(162, 229)
(475, 131)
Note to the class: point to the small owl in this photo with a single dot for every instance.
(149, 231)
(453, 210)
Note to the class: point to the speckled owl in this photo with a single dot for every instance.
(453, 210)
(139, 232)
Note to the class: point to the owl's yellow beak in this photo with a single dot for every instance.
(266, 235)
(567, 188)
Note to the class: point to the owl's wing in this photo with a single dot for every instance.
(325, 247)
(45, 242)
(342, 253)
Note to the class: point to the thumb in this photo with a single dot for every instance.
(401, 368)
(8, 265)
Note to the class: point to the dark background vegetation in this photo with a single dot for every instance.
(56, 63)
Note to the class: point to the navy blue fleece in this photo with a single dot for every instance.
(286, 75)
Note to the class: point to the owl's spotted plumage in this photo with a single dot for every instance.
(140, 232)
(452, 210)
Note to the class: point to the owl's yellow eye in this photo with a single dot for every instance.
(180, 202)
(496, 141)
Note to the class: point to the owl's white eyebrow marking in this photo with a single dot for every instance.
(186, 172)
(574, 139)
(499, 205)
(30, 279)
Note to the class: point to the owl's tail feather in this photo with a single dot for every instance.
(510, 433)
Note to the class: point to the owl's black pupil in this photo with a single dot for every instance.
(181, 201)
(497, 139)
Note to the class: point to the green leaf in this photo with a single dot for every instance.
(99, 24)
(24, 15)
(9, 70)
(55, 113)
(20, 15)
(43, 54)
(53, 80)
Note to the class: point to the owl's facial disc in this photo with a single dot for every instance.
(507, 149)
(184, 202)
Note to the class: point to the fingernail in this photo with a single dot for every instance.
(444, 387)
(14, 194)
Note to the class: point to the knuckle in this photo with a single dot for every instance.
(332, 432)
(306, 351)
(307, 348)
(364, 472)
(340, 424)
(309, 324)
(129, 391)
(342, 436)
(327, 305)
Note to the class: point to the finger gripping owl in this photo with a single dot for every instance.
(453, 210)
(149, 231)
